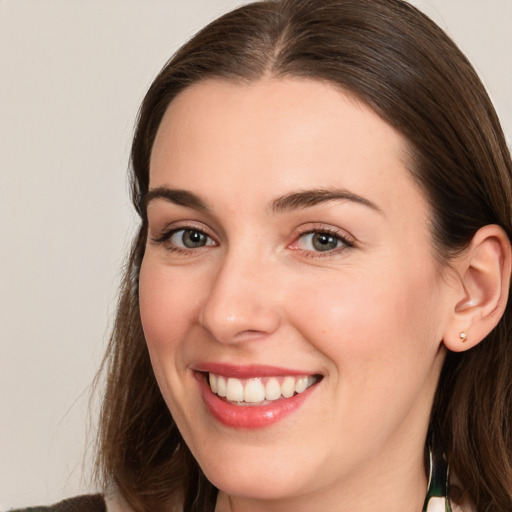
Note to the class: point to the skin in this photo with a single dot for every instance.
(369, 316)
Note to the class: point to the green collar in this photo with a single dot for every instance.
(436, 499)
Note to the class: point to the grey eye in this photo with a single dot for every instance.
(190, 239)
(320, 242)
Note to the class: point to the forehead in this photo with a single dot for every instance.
(274, 135)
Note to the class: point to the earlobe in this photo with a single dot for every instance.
(484, 280)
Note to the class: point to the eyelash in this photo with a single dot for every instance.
(166, 235)
(346, 243)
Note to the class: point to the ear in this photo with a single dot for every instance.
(481, 291)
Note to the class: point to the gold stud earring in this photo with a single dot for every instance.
(463, 337)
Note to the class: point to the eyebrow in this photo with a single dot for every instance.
(308, 198)
(176, 196)
(288, 202)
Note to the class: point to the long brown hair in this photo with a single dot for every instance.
(396, 60)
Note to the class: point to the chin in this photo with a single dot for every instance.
(256, 483)
(255, 470)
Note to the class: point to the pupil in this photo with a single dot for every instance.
(324, 242)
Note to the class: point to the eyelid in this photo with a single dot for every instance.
(169, 230)
(348, 241)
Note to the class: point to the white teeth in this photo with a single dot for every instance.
(272, 389)
(234, 390)
(301, 384)
(221, 386)
(258, 389)
(254, 391)
(213, 382)
(288, 387)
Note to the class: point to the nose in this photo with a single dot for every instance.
(243, 300)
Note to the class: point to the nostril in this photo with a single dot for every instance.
(250, 335)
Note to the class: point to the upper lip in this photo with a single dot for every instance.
(247, 371)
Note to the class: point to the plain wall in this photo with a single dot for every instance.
(72, 75)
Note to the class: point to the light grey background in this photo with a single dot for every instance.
(72, 75)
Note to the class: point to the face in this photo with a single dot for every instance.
(289, 264)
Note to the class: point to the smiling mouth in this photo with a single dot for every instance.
(259, 390)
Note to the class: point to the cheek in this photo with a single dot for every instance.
(376, 332)
(167, 306)
(374, 321)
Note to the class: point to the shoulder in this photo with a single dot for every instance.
(88, 503)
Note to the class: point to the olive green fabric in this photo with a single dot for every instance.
(90, 503)
(438, 484)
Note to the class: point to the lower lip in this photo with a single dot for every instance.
(250, 416)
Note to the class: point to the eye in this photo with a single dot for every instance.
(321, 241)
(189, 239)
(183, 239)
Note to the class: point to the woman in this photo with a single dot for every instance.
(314, 312)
